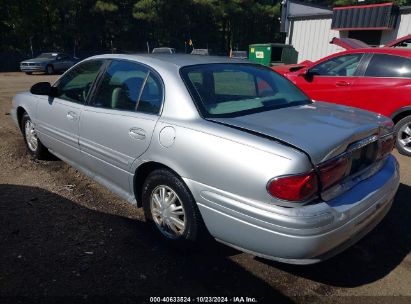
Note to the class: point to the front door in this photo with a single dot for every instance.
(331, 79)
(59, 116)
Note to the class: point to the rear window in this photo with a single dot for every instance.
(230, 90)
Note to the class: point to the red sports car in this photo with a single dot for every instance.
(374, 79)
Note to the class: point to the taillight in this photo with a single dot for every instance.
(332, 172)
(294, 188)
(386, 145)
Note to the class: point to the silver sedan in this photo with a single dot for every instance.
(214, 144)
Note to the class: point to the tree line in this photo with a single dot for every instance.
(86, 27)
(81, 26)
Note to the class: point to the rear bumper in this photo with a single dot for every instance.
(302, 235)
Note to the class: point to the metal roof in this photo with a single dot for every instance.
(381, 16)
(301, 10)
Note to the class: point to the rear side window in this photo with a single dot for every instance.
(75, 84)
(383, 65)
(129, 86)
(345, 65)
(151, 96)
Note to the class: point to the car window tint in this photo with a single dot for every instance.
(345, 65)
(76, 83)
(151, 96)
(226, 80)
(121, 86)
(383, 65)
(230, 90)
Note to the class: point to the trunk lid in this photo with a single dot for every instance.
(349, 43)
(320, 129)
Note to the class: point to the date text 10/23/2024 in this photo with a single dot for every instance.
(203, 300)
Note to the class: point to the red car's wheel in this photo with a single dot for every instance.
(403, 131)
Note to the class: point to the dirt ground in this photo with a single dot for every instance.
(64, 237)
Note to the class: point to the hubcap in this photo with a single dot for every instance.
(167, 211)
(31, 136)
(404, 137)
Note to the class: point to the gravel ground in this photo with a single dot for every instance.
(65, 238)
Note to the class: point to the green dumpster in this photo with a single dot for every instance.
(270, 54)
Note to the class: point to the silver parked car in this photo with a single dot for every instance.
(164, 50)
(239, 54)
(48, 63)
(202, 52)
(200, 140)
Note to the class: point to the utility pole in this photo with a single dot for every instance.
(31, 46)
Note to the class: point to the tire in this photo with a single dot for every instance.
(184, 205)
(29, 73)
(403, 136)
(36, 149)
(49, 69)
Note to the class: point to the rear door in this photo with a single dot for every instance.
(385, 86)
(332, 78)
(117, 126)
(59, 117)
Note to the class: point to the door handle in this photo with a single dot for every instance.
(72, 116)
(137, 133)
(342, 84)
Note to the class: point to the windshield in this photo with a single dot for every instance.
(47, 55)
(230, 90)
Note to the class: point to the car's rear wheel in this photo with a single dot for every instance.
(34, 146)
(170, 207)
(49, 69)
(403, 131)
(29, 73)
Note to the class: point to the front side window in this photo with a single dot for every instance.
(129, 86)
(383, 65)
(75, 84)
(345, 65)
(230, 90)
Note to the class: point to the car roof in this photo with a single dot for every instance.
(176, 60)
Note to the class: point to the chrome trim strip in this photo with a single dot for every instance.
(361, 143)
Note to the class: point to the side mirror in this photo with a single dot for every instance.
(307, 74)
(43, 88)
(302, 72)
